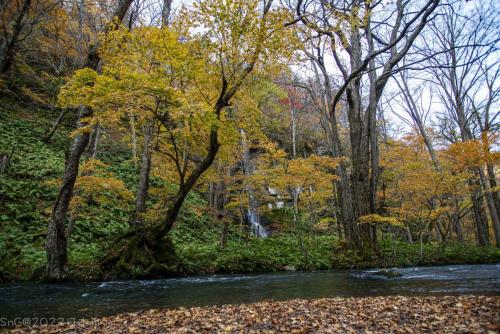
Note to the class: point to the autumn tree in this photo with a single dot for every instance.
(56, 237)
(363, 53)
(466, 40)
(150, 130)
(418, 194)
(307, 183)
(191, 99)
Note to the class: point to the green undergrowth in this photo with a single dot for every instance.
(26, 196)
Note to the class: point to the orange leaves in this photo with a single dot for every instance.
(310, 179)
(414, 189)
(472, 153)
(95, 186)
(395, 314)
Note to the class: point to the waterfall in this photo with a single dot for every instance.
(255, 227)
(252, 212)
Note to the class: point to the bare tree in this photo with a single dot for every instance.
(486, 121)
(367, 42)
(463, 45)
(19, 19)
(413, 105)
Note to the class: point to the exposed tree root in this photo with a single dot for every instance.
(141, 254)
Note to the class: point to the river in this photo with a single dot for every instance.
(84, 300)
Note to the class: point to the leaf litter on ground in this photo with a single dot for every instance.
(394, 314)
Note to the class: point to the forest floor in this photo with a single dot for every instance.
(397, 314)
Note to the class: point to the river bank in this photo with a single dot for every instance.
(282, 253)
(103, 299)
(397, 314)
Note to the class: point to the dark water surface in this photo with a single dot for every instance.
(84, 300)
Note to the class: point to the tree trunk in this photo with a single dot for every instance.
(491, 206)
(294, 129)
(133, 139)
(493, 186)
(344, 192)
(479, 216)
(165, 12)
(8, 45)
(151, 248)
(5, 160)
(55, 126)
(457, 226)
(94, 142)
(149, 129)
(56, 235)
(143, 185)
(225, 232)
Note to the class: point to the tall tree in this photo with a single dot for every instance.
(228, 59)
(56, 244)
(372, 54)
(150, 131)
(466, 39)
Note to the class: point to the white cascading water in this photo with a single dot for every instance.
(253, 217)
(252, 214)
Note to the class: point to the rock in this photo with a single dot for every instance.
(290, 268)
(389, 273)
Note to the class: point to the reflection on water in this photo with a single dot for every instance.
(78, 300)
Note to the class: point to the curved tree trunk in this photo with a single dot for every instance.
(56, 235)
(150, 248)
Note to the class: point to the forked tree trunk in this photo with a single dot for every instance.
(150, 248)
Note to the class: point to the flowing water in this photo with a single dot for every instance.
(253, 217)
(83, 300)
(255, 226)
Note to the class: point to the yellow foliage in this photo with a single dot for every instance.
(378, 219)
(473, 153)
(96, 186)
(414, 189)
